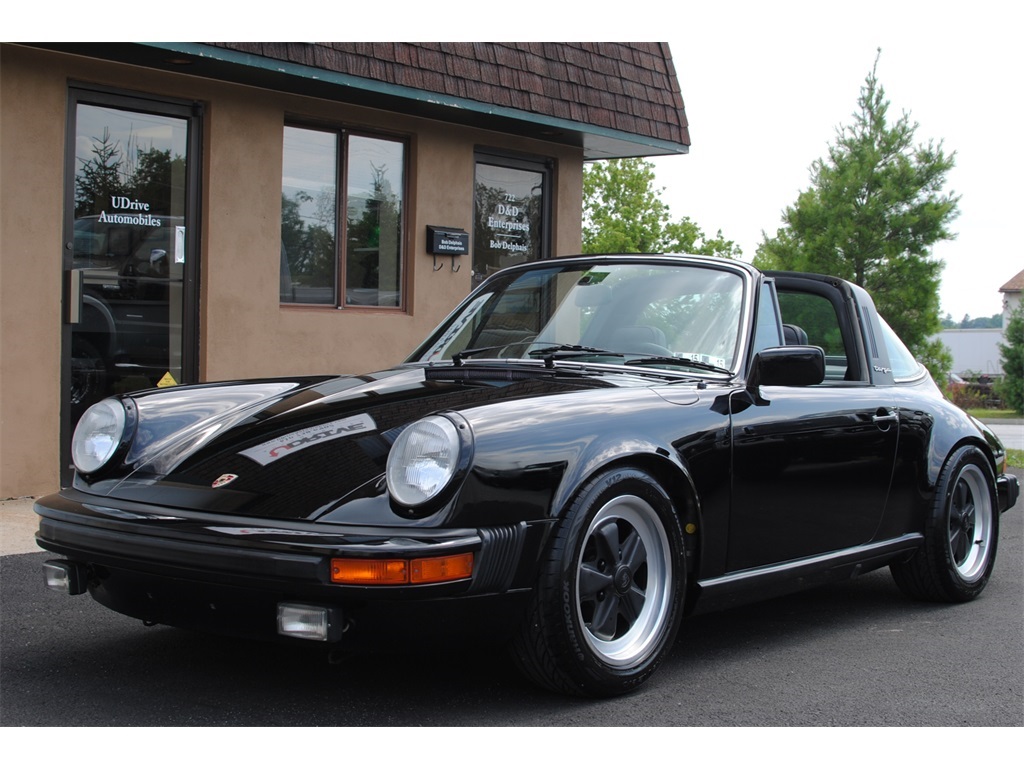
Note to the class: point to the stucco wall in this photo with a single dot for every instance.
(244, 331)
(33, 101)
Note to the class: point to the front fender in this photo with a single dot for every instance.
(533, 457)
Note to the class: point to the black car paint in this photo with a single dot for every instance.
(751, 470)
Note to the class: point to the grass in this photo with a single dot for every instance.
(1015, 458)
(991, 413)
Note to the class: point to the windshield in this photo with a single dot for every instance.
(664, 315)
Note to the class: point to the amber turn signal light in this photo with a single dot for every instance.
(359, 571)
(431, 570)
(424, 570)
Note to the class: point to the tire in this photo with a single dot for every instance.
(609, 596)
(959, 551)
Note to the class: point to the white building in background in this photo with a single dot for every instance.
(1012, 295)
(975, 350)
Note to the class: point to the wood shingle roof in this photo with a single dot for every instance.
(626, 88)
(610, 99)
(1014, 284)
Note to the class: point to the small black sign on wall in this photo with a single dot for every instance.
(447, 241)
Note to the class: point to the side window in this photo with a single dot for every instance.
(904, 366)
(808, 318)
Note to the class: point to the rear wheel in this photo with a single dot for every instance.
(959, 550)
(608, 601)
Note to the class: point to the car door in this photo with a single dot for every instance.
(812, 465)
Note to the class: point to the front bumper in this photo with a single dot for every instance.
(216, 571)
(1007, 490)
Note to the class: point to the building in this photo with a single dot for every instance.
(176, 213)
(1012, 291)
(975, 351)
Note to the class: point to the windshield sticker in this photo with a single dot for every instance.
(286, 445)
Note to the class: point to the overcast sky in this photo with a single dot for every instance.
(766, 85)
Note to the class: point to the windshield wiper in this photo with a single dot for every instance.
(566, 351)
(458, 357)
(571, 350)
(689, 362)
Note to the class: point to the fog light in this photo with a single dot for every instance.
(62, 576)
(309, 622)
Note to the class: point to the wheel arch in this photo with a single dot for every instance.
(942, 452)
(674, 478)
(943, 430)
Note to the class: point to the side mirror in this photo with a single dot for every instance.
(798, 366)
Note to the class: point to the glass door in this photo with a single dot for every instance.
(129, 250)
(512, 213)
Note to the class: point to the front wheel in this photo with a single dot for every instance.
(608, 600)
(959, 550)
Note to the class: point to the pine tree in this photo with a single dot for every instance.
(100, 178)
(1011, 388)
(875, 208)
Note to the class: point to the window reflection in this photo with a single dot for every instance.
(374, 218)
(371, 271)
(128, 241)
(509, 218)
(309, 217)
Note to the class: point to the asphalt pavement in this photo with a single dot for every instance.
(18, 524)
(1011, 432)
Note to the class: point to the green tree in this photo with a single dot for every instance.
(1011, 388)
(875, 208)
(157, 179)
(624, 213)
(100, 178)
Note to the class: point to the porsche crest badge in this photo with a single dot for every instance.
(224, 480)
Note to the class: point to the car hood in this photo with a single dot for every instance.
(299, 448)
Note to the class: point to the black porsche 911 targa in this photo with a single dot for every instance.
(586, 451)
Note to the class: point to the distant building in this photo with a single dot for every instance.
(975, 350)
(1012, 295)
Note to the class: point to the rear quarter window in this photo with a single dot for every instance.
(903, 363)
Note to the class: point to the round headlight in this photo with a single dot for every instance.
(422, 461)
(97, 436)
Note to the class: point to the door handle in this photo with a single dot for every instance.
(884, 417)
(76, 295)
